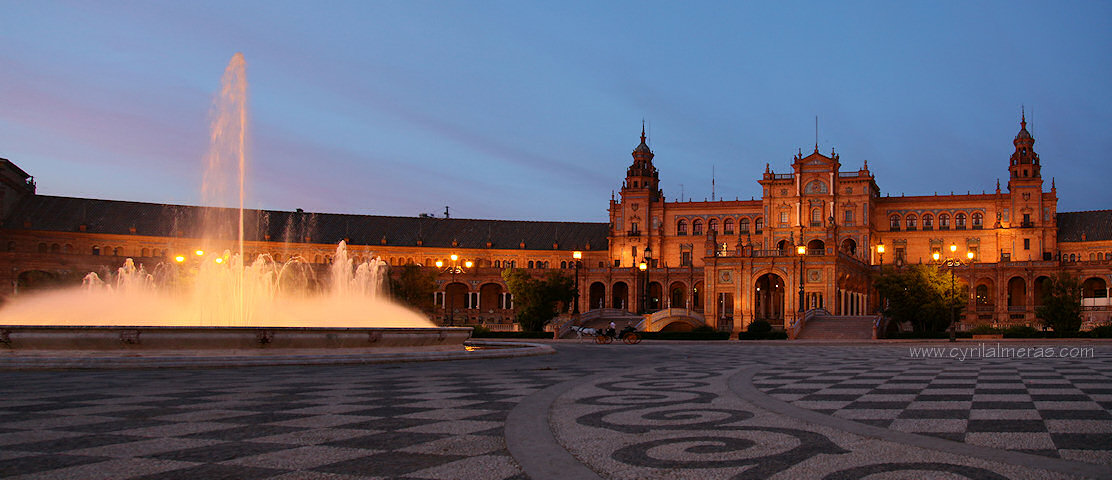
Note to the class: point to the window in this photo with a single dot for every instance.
(849, 217)
(1026, 243)
(978, 220)
(712, 225)
(815, 186)
(617, 262)
(816, 217)
(1005, 256)
(928, 221)
(633, 227)
(42, 248)
(959, 221)
(1026, 219)
(685, 259)
(901, 255)
(758, 225)
(96, 250)
(697, 227)
(784, 217)
(728, 226)
(681, 227)
(564, 264)
(530, 264)
(912, 222)
(944, 222)
(894, 223)
(743, 225)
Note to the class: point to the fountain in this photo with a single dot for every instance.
(216, 298)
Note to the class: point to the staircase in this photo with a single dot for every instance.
(829, 327)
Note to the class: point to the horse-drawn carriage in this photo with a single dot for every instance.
(628, 334)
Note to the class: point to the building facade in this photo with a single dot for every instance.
(815, 239)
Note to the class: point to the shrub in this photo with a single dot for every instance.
(1103, 331)
(761, 330)
(760, 327)
(985, 330)
(702, 333)
(1020, 331)
(480, 332)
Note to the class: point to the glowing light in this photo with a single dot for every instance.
(179, 258)
(969, 255)
(577, 255)
(953, 248)
(936, 256)
(439, 263)
(880, 248)
(219, 260)
(643, 266)
(468, 264)
(455, 257)
(200, 253)
(801, 249)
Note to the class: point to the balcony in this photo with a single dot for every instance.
(1017, 308)
(1027, 225)
(983, 307)
(633, 233)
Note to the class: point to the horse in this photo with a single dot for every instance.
(580, 331)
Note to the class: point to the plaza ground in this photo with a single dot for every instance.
(655, 410)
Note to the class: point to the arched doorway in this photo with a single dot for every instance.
(697, 296)
(455, 298)
(816, 247)
(489, 294)
(619, 295)
(656, 292)
(1017, 294)
(596, 296)
(1094, 287)
(1042, 287)
(677, 297)
(849, 247)
(783, 247)
(768, 298)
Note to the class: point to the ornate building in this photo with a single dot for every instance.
(812, 241)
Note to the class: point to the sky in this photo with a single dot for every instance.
(529, 110)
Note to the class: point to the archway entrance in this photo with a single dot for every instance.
(849, 247)
(678, 296)
(655, 293)
(596, 296)
(816, 247)
(619, 295)
(768, 298)
(455, 297)
(1017, 294)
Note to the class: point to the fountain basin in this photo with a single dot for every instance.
(117, 338)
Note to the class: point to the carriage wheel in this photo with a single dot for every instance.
(603, 339)
(632, 339)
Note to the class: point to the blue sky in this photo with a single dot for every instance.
(529, 110)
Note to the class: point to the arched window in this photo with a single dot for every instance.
(564, 264)
(894, 223)
(712, 225)
(728, 226)
(530, 264)
(697, 227)
(758, 225)
(743, 225)
(681, 227)
(67, 249)
(978, 220)
(943, 221)
(912, 222)
(959, 221)
(146, 252)
(815, 186)
(55, 248)
(1073, 257)
(928, 221)
(96, 250)
(42, 248)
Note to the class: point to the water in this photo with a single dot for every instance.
(215, 286)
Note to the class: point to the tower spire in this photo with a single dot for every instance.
(642, 130)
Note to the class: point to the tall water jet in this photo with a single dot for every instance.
(226, 172)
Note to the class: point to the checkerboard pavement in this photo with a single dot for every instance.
(278, 423)
(1056, 408)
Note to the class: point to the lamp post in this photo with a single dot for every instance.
(454, 270)
(577, 255)
(880, 251)
(952, 262)
(801, 250)
(643, 266)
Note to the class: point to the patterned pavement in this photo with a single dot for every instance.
(654, 410)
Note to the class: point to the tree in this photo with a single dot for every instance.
(921, 295)
(536, 299)
(1061, 308)
(414, 286)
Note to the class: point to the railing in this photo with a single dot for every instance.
(1017, 308)
(848, 174)
(986, 307)
(674, 312)
(633, 233)
(797, 325)
(503, 327)
(782, 176)
(770, 253)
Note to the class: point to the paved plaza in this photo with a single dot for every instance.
(651, 411)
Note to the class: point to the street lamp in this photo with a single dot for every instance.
(952, 262)
(644, 267)
(880, 251)
(801, 250)
(454, 270)
(577, 255)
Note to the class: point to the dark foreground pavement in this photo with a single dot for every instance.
(654, 410)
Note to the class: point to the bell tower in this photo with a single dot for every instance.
(642, 175)
(1024, 168)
